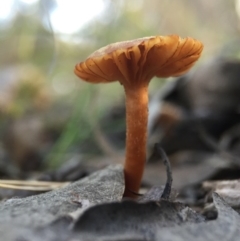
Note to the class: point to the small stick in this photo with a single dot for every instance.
(31, 185)
(161, 153)
(32, 182)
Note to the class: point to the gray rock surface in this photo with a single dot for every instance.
(52, 216)
(39, 210)
(225, 227)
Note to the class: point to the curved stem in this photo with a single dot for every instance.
(136, 137)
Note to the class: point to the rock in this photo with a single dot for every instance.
(40, 210)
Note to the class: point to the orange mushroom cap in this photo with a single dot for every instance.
(134, 61)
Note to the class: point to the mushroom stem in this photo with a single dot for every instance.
(136, 120)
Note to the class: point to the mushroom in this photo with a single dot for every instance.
(134, 63)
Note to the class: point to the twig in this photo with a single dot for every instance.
(31, 185)
(161, 153)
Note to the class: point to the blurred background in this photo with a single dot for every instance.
(49, 117)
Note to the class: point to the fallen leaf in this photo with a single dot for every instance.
(228, 190)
